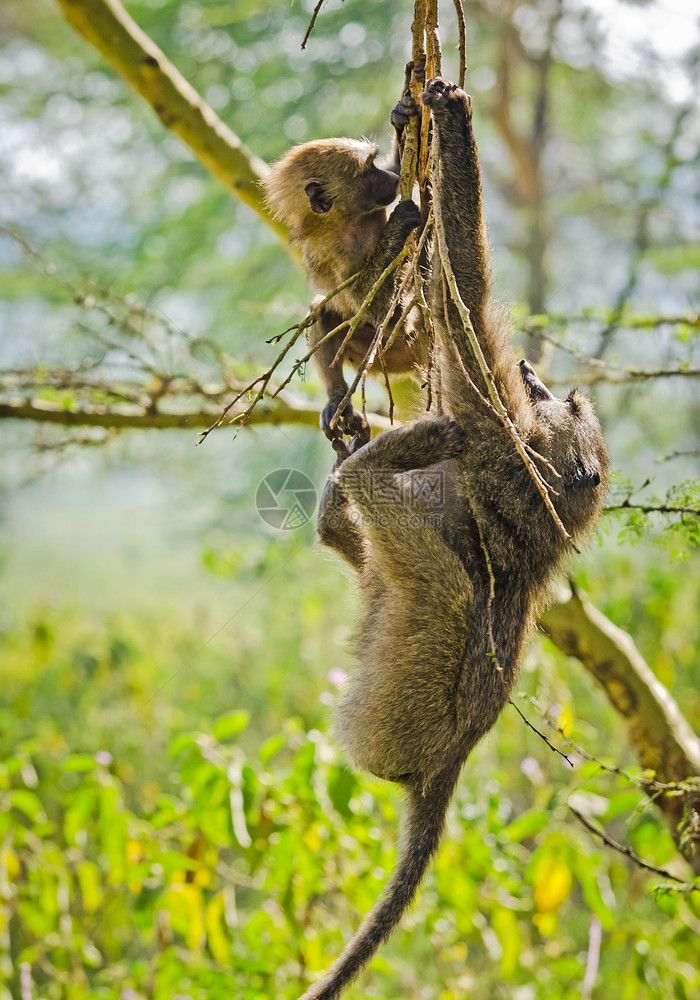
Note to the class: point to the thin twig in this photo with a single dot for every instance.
(354, 323)
(628, 851)
(651, 508)
(361, 373)
(264, 380)
(312, 22)
(462, 28)
(387, 386)
(369, 298)
(642, 783)
(595, 935)
(313, 315)
(398, 294)
(540, 734)
(617, 373)
(489, 608)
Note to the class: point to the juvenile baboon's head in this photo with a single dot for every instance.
(333, 177)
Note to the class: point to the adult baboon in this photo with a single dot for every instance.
(450, 586)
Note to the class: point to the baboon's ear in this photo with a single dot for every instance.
(319, 201)
(536, 389)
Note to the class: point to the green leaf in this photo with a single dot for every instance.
(621, 802)
(271, 747)
(527, 825)
(76, 817)
(341, 788)
(181, 743)
(26, 801)
(230, 724)
(79, 762)
(592, 893)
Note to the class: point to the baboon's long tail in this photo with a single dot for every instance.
(424, 824)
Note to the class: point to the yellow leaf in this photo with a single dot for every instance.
(11, 864)
(133, 852)
(553, 883)
(185, 905)
(90, 885)
(312, 839)
(566, 720)
(546, 923)
(216, 936)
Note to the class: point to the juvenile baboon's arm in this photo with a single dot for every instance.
(333, 378)
(403, 220)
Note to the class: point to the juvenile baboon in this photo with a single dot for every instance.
(450, 587)
(333, 196)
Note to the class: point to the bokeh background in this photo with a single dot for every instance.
(177, 821)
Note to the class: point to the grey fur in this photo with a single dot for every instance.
(438, 657)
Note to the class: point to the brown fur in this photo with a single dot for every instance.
(333, 196)
(438, 656)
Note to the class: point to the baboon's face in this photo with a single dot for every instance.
(335, 178)
(357, 188)
(572, 431)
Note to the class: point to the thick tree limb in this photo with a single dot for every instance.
(129, 51)
(138, 417)
(279, 411)
(656, 730)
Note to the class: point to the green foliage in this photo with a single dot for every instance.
(235, 858)
(173, 822)
(247, 875)
(679, 509)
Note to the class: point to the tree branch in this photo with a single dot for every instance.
(279, 411)
(132, 54)
(655, 508)
(628, 851)
(657, 732)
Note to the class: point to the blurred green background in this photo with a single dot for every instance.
(176, 821)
